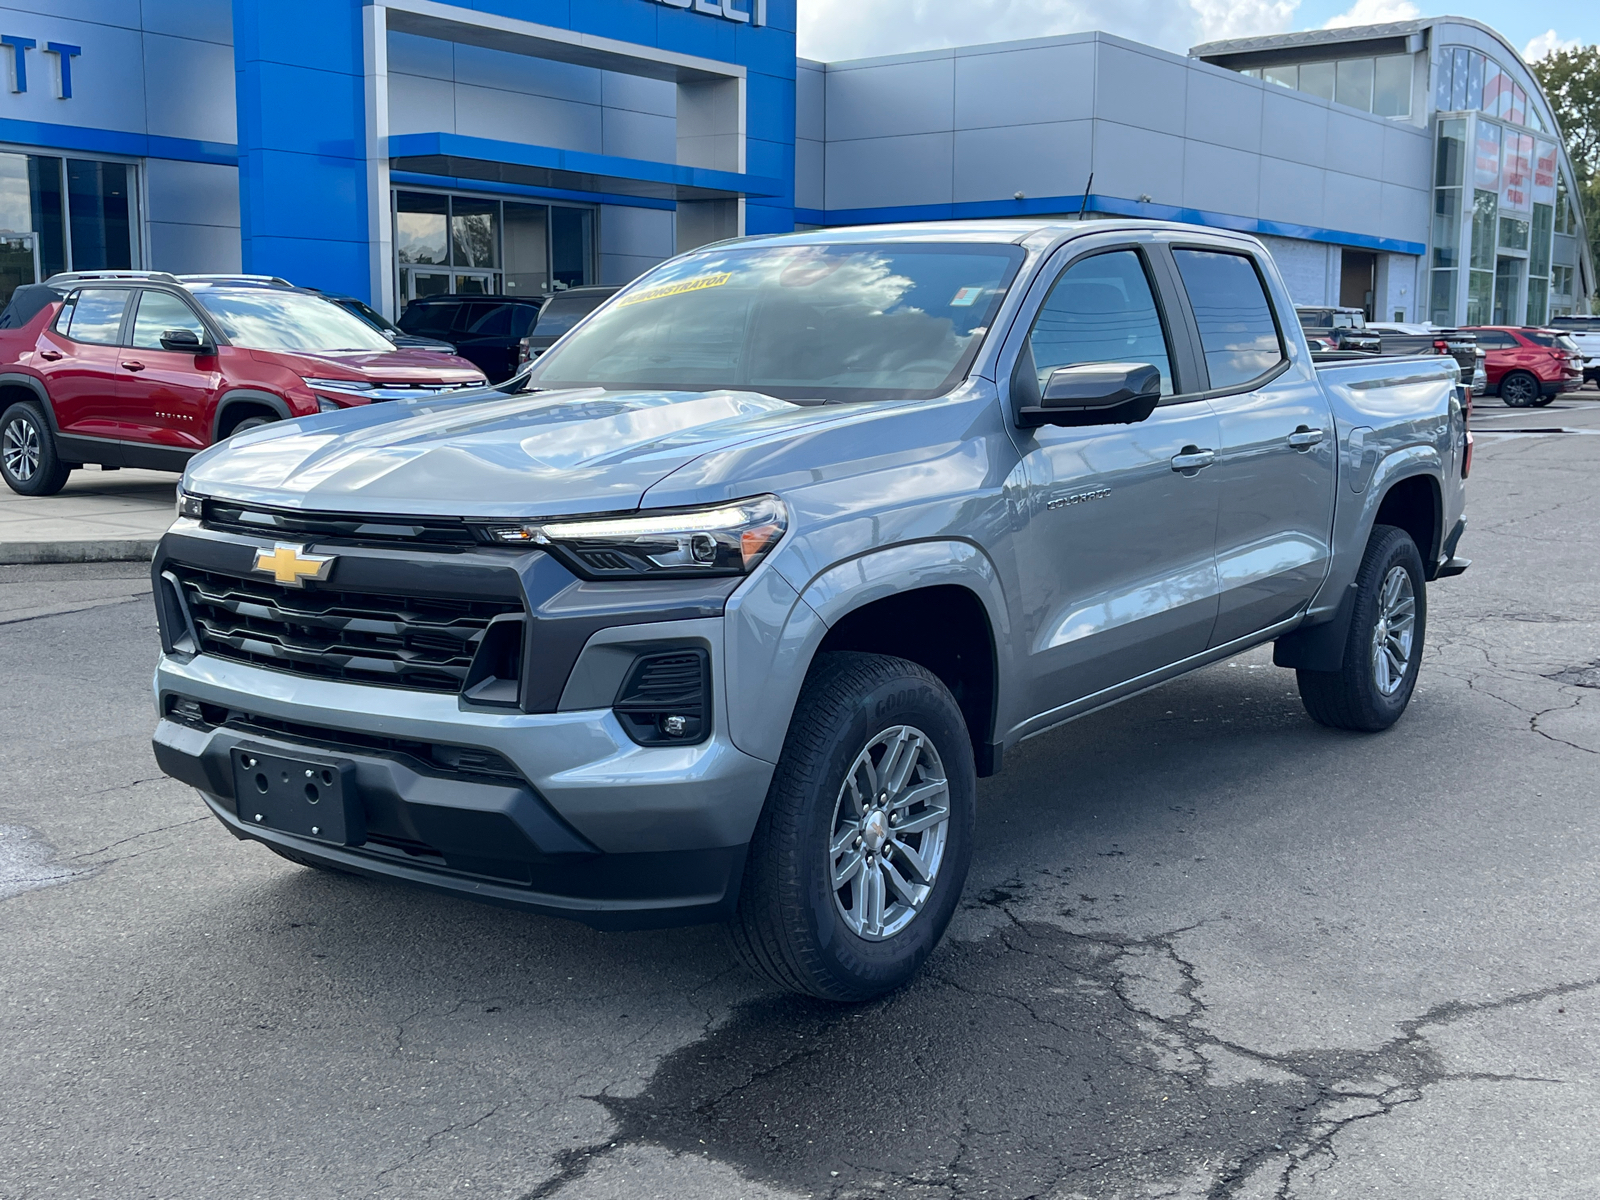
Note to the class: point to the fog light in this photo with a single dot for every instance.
(675, 726)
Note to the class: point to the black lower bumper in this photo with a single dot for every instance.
(494, 840)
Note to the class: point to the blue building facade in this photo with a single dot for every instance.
(397, 148)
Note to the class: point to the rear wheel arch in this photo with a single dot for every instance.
(16, 388)
(1415, 504)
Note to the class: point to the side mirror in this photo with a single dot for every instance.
(183, 340)
(1096, 394)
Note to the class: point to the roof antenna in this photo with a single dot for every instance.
(1085, 205)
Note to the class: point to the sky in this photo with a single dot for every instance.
(839, 29)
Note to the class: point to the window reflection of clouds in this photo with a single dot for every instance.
(1100, 310)
(1237, 332)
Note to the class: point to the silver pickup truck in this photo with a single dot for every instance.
(723, 615)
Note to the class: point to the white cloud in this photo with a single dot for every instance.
(837, 29)
(1546, 42)
(1374, 12)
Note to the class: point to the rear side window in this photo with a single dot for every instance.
(504, 320)
(1493, 339)
(1237, 332)
(94, 315)
(159, 312)
(1101, 310)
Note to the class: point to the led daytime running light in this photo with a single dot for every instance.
(731, 517)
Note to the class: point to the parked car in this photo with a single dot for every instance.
(1585, 334)
(560, 313)
(1335, 328)
(1404, 339)
(486, 329)
(786, 546)
(143, 369)
(1529, 367)
(399, 337)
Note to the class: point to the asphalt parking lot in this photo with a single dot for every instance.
(1209, 950)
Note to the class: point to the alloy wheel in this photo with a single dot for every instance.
(20, 450)
(1392, 636)
(890, 825)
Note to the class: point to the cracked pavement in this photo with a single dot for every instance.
(1209, 951)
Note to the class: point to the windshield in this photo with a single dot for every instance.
(561, 313)
(372, 316)
(275, 320)
(840, 322)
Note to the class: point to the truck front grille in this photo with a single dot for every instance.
(424, 643)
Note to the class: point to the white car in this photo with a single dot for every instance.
(1585, 331)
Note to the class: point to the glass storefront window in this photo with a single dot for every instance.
(526, 234)
(1442, 298)
(1513, 234)
(470, 245)
(1286, 76)
(1539, 262)
(1480, 298)
(1492, 81)
(475, 232)
(1317, 79)
(1485, 209)
(420, 224)
(1353, 83)
(1507, 292)
(571, 238)
(100, 215)
(1391, 86)
(1462, 62)
(65, 214)
(1449, 172)
(1475, 67)
(1375, 85)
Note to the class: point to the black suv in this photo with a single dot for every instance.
(487, 330)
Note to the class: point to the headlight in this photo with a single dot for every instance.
(190, 505)
(326, 405)
(727, 540)
(353, 386)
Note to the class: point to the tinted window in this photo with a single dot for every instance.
(427, 319)
(97, 316)
(845, 321)
(1491, 339)
(1237, 332)
(560, 313)
(159, 312)
(1100, 310)
(505, 320)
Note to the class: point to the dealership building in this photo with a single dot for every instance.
(404, 148)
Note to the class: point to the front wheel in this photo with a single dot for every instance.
(1383, 650)
(28, 458)
(862, 850)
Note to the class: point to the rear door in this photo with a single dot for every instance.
(1115, 553)
(1275, 459)
(78, 357)
(165, 395)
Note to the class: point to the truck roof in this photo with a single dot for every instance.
(1015, 231)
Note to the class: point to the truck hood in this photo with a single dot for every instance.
(400, 365)
(537, 454)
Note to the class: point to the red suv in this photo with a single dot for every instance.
(142, 369)
(1528, 367)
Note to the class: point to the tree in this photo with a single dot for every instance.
(1571, 82)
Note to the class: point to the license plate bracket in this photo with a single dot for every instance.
(307, 796)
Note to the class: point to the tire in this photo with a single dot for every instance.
(1364, 695)
(252, 422)
(1543, 400)
(857, 712)
(28, 458)
(1519, 390)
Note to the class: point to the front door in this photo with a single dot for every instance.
(1275, 457)
(79, 361)
(164, 395)
(1116, 558)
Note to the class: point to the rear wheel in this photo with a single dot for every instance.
(861, 853)
(28, 458)
(1383, 650)
(1519, 390)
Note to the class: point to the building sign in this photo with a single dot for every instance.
(61, 51)
(1486, 158)
(1516, 174)
(753, 12)
(1544, 174)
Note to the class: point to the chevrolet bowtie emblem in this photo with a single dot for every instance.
(292, 565)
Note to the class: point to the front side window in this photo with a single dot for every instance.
(269, 319)
(159, 312)
(95, 316)
(848, 321)
(1238, 334)
(1102, 309)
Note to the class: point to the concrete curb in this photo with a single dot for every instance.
(85, 550)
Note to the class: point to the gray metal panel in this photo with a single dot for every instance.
(413, 55)
(890, 101)
(1015, 87)
(1221, 179)
(520, 73)
(1403, 213)
(1290, 192)
(1294, 126)
(186, 193)
(1407, 155)
(1223, 108)
(418, 104)
(197, 20)
(1352, 199)
(1129, 162)
(1145, 90)
(810, 103)
(640, 135)
(194, 248)
(879, 172)
(491, 113)
(639, 94)
(1037, 160)
(808, 174)
(636, 232)
(1355, 145)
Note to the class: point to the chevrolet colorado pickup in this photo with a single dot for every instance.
(781, 549)
(143, 368)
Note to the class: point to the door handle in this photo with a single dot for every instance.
(1191, 459)
(134, 366)
(1304, 438)
(50, 355)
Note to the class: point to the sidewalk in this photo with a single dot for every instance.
(100, 516)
